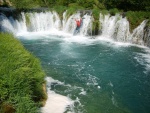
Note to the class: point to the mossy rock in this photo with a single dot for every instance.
(27, 17)
(95, 27)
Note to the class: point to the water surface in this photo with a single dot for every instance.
(98, 76)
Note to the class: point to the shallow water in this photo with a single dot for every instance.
(96, 76)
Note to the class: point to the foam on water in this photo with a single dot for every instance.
(56, 103)
(79, 39)
(83, 92)
(144, 59)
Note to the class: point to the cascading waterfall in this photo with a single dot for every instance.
(69, 24)
(8, 24)
(87, 25)
(146, 37)
(122, 32)
(108, 24)
(43, 21)
(112, 27)
(138, 33)
(117, 28)
(31, 22)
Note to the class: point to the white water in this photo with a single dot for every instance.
(115, 27)
(69, 24)
(112, 27)
(138, 33)
(56, 103)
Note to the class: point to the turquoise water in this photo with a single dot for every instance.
(100, 76)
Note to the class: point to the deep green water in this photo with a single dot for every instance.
(100, 76)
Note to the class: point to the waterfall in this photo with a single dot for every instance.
(43, 21)
(31, 22)
(111, 27)
(108, 24)
(69, 24)
(9, 24)
(114, 27)
(122, 30)
(138, 33)
(117, 28)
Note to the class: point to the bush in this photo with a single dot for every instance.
(136, 17)
(21, 77)
(104, 12)
(73, 9)
(113, 11)
(59, 9)
(96, 13)
(25, 4)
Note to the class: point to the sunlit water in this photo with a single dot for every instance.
(92, 75)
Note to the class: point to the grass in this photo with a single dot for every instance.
(21, 78)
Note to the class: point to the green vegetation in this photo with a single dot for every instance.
(27, 16)
(113, 11)
(126, 5)
(59, 9)
(25, 4)
(21, 78)
(136, 17)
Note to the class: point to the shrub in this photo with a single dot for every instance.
(25, 4)
(136, 17)
(113, 11)
(104, 12)
(73, 9)
(95, 13)
(59, 9)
